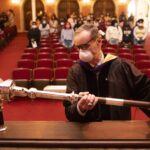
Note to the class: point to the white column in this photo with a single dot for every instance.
(33, 5)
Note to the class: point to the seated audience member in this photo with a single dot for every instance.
(139, 32)
(127, 35)
(114, 33)
(2, 34)
(105, 76)
(53, 22)
(67, 35)
(44, 29)
(3, 20)
(34, 35)
(78, 24)
(11, 18)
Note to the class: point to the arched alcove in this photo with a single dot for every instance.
(104, 6)
(27, 11)
(66, 7)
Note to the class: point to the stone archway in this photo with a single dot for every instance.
(102, 7)
(28, 11)
(66, 7)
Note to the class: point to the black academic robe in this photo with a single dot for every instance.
(117, 79)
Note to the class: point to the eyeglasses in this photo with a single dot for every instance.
(84, 46)
(87, 45)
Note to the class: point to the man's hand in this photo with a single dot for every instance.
(87, 102)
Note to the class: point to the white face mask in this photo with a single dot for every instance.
(86, 55)
(34, 26)
(44, 22)
(140, 24)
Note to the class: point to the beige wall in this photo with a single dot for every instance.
(50, 8)
(6, 4)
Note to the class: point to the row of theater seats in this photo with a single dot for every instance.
(49, 55)
(47, 65)
(40, 76)
(44, 62)
(54, 57)
(136, 55)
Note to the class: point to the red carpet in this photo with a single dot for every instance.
(33, 110)
(24, 108)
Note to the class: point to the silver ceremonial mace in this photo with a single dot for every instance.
(8, 90)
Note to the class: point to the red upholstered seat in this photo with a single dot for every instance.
(45, 63)
(22, 77)
(44, 55)
(137, 46)
(147, 72)
(74, 56)
(139, 50)
(60, 75)
(42, 76)
(124, 50)
(26, 63)
(43, 73)
(64, 63)
(60, 55)
(28, 56)
(143, 64)
(60, 49)
(30, 50)
(45, 50)
(126, 56)
(109, 50)
(141, 56)
(44, 44)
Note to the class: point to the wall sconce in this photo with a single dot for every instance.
(122, 1)
(86, 1)
(50, 1)
(15, 1)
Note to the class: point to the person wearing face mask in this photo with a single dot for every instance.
(104, 76)
(67, 35)
(140, 32)
(34, 36)
(44, 28)
(114, 33)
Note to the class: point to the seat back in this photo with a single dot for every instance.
(60, 55)
(45, 63)
(61, 72)
(64, 63)
(44, 55)
(22, 73)
(74, 56)
(143, 64)
(26, 63)
(28, 56)
(43, 73)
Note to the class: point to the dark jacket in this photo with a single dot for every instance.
(116, 78)
(34, 34)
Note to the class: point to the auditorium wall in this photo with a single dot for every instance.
(52, 8)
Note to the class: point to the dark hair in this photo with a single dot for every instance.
(33, 22)
(140, 20)
(66, 24)
(113, 22)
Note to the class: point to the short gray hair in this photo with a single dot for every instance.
(90, 28)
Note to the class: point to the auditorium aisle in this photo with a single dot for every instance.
(11, 54)
(24, 109)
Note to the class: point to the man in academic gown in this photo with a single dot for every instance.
(106, 76)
